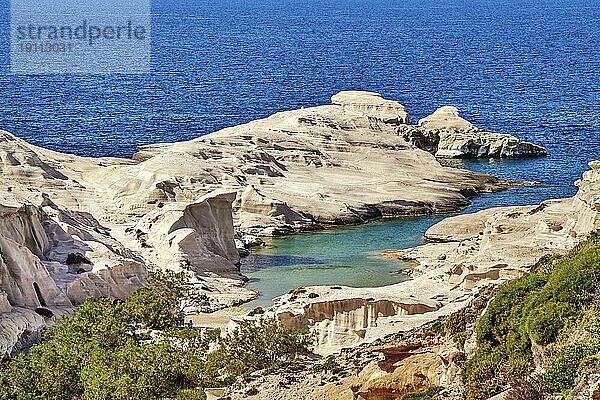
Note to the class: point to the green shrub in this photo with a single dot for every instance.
(98, 352)
(136, 349)
(432, 329)
(157, 304)
(263, 344)
(565, 368)
(482, 375)
(461, 338)
(545, 321)
(330, 365)
(539, 307)
(503, 314)
(457, 322)
(191, 394)
(428, 394)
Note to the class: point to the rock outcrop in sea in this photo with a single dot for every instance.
(73, 227)
(447, 135)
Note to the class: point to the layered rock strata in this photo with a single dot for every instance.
(347, 162)
(426, 357)
(447, 135)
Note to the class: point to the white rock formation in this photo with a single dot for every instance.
(23, 278)
(447, 135)
(68, 231)
(447, 118)
(335, 164)
(117, 282)
(256, 211)
(512, 237)
(19, 329)
(347, 321)
(5, 306)
(373, 105)
(73, 227)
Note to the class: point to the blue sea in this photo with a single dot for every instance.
(530, 68)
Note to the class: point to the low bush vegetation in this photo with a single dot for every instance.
(329, 365)
(561, 373)
(428, 394)
(264, 344)
(541, 308)
(138, 349)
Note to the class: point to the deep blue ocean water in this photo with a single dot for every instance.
(531, 68)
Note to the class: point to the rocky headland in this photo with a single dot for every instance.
(348, 162)
(73, 227)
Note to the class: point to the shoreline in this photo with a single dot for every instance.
(387, 254)
(332, 227)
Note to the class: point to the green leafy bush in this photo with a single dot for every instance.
(136, 349)
(562, 372)
(157, 304)
(94, 355)
(536, 308)
(330, 365)
(264, 344)
(191, 394)
(457, 322)
(429, 394)
(482, 374)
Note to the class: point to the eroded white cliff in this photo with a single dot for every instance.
(66, 234)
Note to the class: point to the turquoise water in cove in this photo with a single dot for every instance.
(350, 256)
(516, 66)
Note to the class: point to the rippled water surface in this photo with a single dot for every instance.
(522, 67)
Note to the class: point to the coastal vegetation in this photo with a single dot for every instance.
(138, 349)
(428, 394)
(549, 318)
(539, 335)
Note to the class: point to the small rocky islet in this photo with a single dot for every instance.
(74, 227)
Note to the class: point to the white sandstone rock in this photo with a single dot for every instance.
(5, 306)
(447, 135)
(19, 329)
(197, 236)
(332, 164)
(447, 118)
(373, 105)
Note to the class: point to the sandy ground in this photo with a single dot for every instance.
(218, 319)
